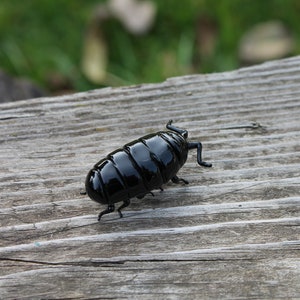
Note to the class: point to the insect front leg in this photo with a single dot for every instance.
(125, 204)
(199, 154)
(183, 132)
(109, 210)
(176, 179)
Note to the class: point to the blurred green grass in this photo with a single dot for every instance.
(43, 39)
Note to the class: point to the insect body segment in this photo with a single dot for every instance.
(140, 167)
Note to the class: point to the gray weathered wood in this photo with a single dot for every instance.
(233, 232)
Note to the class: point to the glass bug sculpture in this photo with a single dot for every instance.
(140, 167)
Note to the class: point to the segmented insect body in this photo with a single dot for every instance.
(140, 167)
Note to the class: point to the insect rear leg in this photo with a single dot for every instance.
(125, 204)
(199, 154)
(176, 179)
(109, 210)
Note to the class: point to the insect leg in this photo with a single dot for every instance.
(183, 132)
(125, 204)
(199, 154)
(109, 209)
(143, 195)
(176, 179)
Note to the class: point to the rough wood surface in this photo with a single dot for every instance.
(233, 232)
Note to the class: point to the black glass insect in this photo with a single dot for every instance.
(140, 167)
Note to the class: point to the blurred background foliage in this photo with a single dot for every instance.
(69, 46)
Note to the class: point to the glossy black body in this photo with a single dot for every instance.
(139, 167)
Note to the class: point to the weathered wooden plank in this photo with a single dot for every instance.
(233, 232)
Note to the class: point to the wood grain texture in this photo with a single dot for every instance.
(232, 233)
